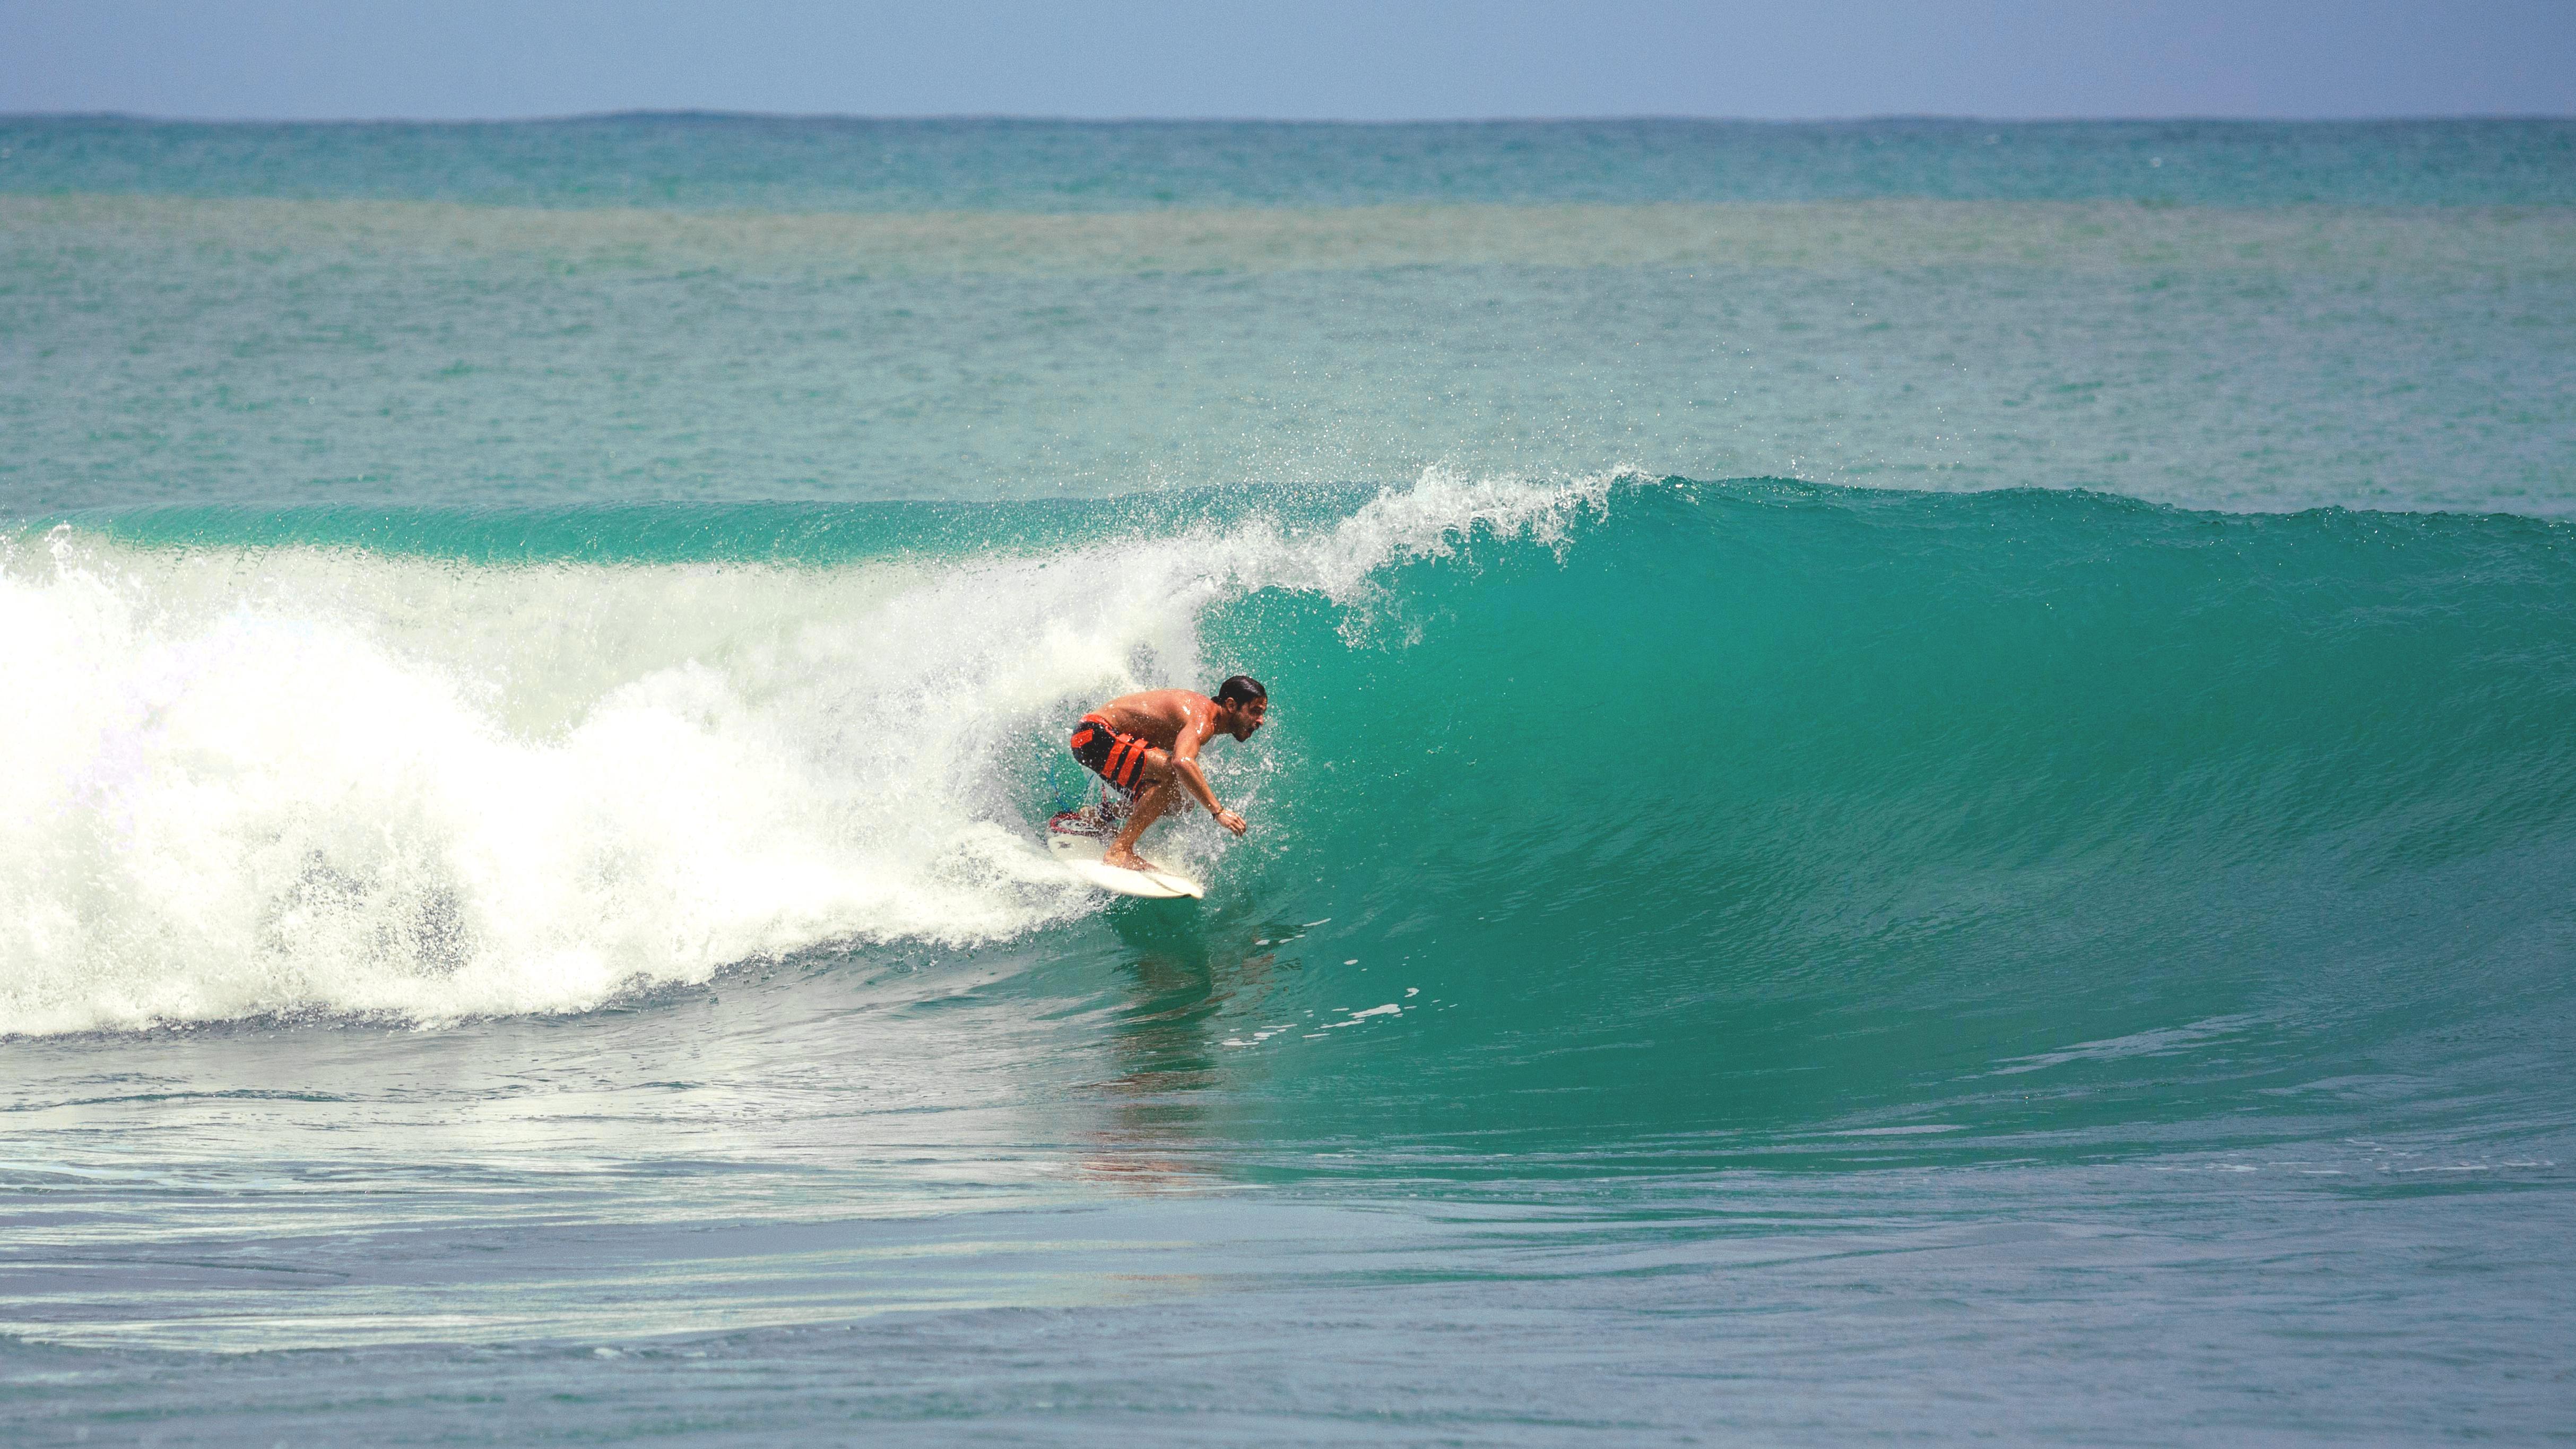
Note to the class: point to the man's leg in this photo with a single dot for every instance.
(1102, 816)
(1159, 788)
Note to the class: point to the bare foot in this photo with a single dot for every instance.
(1126, 860)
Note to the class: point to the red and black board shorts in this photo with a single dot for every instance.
(1116, 758)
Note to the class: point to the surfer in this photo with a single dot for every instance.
(1148, 746)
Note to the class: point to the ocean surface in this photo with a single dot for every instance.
(1921, 784)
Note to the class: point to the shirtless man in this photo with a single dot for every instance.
(1149, 743)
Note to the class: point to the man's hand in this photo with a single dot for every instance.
(1230, 821)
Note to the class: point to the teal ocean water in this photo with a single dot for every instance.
(1920, 783)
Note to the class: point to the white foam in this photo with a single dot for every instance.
(245, 781)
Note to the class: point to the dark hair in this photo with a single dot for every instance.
(1241, 690)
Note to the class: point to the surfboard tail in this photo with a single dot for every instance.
(1179, 884)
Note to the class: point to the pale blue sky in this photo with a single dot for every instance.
(1353, 59)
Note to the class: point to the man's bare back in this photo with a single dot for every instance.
(1149, 743)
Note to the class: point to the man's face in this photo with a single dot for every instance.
(1244, 718)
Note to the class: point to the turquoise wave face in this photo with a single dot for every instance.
(1614, 822)
(2052, 819)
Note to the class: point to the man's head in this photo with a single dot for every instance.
(1240, 704)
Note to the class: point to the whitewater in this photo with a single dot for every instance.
(1919, 782)
(302, 779)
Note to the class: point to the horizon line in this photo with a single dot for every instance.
(703, 113)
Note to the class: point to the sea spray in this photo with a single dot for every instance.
(290, 778)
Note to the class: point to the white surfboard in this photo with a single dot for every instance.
(1080, 854)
